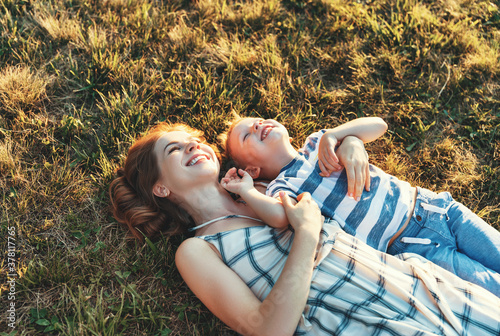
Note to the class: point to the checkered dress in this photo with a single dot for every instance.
(357, 290)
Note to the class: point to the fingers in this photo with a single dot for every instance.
(351, 182)
(324, 171)
(355, 182)
(304, 196)
(360, 183)
(289, 202)
(333, 159)
(328, 163)
(367, 178)
(285, 199)
(230, 180)
(358, 178)
(229, 175)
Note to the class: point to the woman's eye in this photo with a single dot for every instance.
(173, 148)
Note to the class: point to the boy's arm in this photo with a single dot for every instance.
(354, 158)
(352, 155)
(269, 209)
(366, 129)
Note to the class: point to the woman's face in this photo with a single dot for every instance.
(184, 162)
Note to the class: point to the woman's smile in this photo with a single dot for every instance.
(197, 158)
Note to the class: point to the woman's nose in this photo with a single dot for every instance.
(192, 145)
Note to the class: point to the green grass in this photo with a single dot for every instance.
(80, 79)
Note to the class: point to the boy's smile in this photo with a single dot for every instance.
(265, 132)
(260, 143)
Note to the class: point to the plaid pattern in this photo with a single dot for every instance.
(357, 290)
(374, 219)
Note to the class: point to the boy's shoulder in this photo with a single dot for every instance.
(317, 134)
(311, 143)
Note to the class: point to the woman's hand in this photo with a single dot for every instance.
(232, 182)
(353, 156)
(303, 216)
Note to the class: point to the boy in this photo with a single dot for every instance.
(389, 215)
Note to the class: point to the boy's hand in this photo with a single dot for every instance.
(353, 156)
(327, 159)
(232, 182)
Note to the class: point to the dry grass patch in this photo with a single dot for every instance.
(59, 25)
(8, 158)
(21, 89)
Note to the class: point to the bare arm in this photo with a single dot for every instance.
(229, 298)
(366, 129)
(269, 209)
(351, 154)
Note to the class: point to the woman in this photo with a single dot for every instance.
(311, 279)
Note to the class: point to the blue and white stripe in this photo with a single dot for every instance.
(374, 219)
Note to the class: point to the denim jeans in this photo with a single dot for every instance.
(452, 236)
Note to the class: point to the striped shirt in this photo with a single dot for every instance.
(356, 290)
(374, 219)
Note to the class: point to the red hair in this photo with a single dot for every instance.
(132, 200)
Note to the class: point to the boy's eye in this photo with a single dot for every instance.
(246, 136)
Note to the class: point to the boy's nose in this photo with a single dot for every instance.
(257, 124)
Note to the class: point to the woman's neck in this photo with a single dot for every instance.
(211, 202)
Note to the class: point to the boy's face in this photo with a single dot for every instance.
(255, 141)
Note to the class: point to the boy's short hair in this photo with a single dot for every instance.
(224, 138)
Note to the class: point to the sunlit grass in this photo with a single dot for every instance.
(22, 89)
(80, 79)
(58, 25)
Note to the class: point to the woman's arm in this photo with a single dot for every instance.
(269, 209)
(229, 298)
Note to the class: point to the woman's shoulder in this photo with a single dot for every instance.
(194, 249)
(192, 245)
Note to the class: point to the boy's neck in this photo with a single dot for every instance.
(272, 169)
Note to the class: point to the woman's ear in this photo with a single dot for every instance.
(254, 172)
(160, 190)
